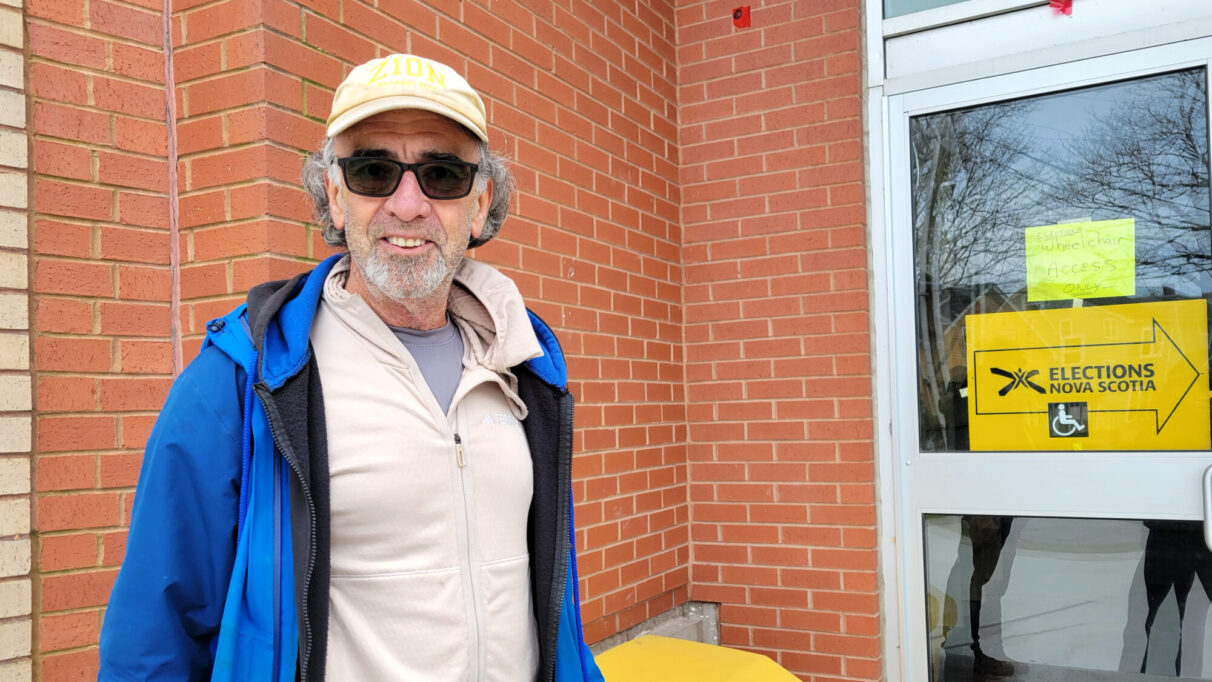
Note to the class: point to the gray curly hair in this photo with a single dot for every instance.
(324, 161)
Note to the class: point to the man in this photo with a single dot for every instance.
(364, 475)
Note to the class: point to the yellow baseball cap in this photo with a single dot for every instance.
(405, 81)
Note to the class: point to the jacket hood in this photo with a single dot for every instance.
(490, 309)
(280, 315)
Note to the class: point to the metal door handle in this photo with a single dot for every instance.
(1208, 507)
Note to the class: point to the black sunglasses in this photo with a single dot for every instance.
(375, 176)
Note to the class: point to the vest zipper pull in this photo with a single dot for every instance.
(459, 451)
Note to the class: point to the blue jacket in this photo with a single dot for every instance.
(226, 568)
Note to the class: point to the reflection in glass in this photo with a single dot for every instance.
(980, 176)
(1021, 598)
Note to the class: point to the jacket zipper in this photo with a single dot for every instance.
(474, 636)
(564, 491)
(289, 455)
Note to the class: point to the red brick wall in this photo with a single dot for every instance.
(101, 285)
(778, 367)
(131, 260)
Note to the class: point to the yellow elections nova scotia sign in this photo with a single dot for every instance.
(1119, 377)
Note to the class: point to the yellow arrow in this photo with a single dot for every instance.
(1120, 363)
(1132, 376)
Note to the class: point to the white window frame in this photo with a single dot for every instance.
(951, 14)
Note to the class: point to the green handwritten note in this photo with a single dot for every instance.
(1081, 260)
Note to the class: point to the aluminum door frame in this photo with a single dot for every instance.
(912, 484)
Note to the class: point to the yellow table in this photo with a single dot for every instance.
(662, 659)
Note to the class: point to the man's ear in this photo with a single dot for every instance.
(483, 202)
(335, 208)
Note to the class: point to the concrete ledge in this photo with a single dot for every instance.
(693, 621)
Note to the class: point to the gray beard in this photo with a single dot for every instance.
(400, 280)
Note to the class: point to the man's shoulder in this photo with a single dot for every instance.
(549, 366)
(212, 372)
(504, 302)
(279, 318)
(266, 300)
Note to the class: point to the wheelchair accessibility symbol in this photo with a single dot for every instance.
(1068, 420)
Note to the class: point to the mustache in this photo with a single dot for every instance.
(380, 227)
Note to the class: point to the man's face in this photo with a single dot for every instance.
(405, 247)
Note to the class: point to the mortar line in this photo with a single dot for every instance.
(174, 228)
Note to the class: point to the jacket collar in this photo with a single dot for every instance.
(489, 307)
(484, 303)
(281, 314)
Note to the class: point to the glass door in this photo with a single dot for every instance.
(1051, 258)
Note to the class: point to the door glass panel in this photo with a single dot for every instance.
(1025, 598)
(896, 8)
(1083, 215)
